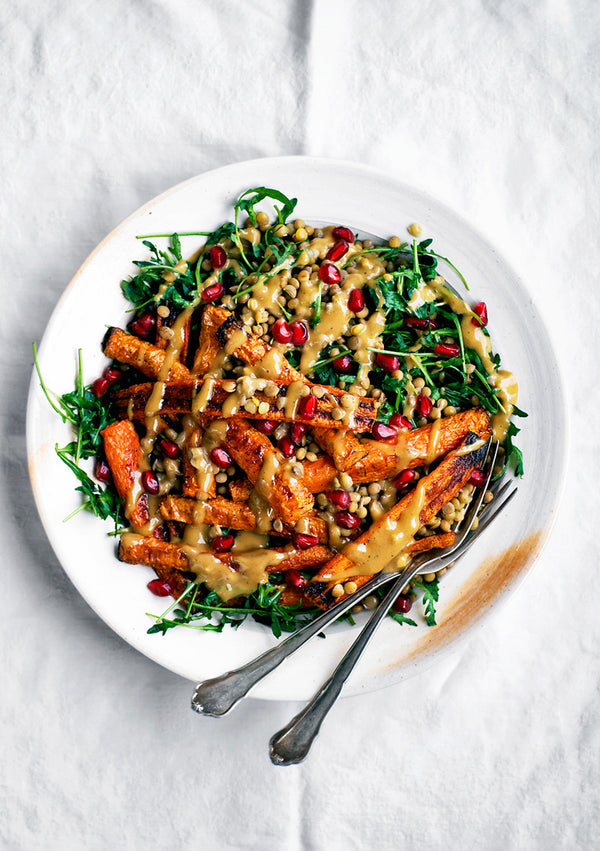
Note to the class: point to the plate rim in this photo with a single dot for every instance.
(429, 657)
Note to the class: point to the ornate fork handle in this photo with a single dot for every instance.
(217, 696)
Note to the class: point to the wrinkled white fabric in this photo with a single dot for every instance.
(493, 108)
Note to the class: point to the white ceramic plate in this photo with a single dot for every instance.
(368, 201)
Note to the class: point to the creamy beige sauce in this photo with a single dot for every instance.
(387, 541)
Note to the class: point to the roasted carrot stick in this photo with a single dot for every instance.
(178, 397)
(146, 357)
(123, 453)
(234, 515)
(388, 536)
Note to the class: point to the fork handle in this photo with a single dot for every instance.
(292, 744)
(217, 696)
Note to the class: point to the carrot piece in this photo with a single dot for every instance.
(240, 489)
(235, 515)
(178, 397)
(146, 357)
(434, 490)
(138, 549)
(123, 453)
(344, 447)
(255, 454)
(208, 344)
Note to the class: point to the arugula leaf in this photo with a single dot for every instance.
(430, 593)
(251, 197)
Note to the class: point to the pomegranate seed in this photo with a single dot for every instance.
(400, 421)
(299, 331)
(388, 362)
(265, 426)
(143, 325)
(481, 310)
(221, 457)
(294, 577)
(218, 257)
(212, 293)
(447, 350)
(100, 386)
(404, 478)
(101, 470)
(356, 301)
(159, 587)
(329, 273)
(160, 533)
(297, 432)
(221, 544)
(477, 478)
(341, 232)
(341, 499)
(343, 364)
(305, 542)
(337, 250)
(286, 447)
(111, 374)
(169, 448)
(381, 431)
(308, 407)
(150, 482)
(424, 405)
(402, 603)
(421, 323)
(347, 520)
(282, 331)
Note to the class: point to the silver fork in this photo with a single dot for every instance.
(217, 696)
(292, 743)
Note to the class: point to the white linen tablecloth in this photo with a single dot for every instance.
(493, 108)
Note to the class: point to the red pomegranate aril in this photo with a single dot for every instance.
(218, 257)
(447, 350)
(477, 478)
(341, 499)
(381, 431)
(282, 331)
(424, 405)
(404, 478)
(111, 374)
(343, 364)
(160, 533)
(101, 470)
(170, 449)
(329, 273)
(337, 250)
(305, 542)
(307, 407)
(388, 362)
(150, 482)
(100, 386)
(299, 331)
(295, 578)
(341, 232)
(347, 520)
(297, 432)
(399, 421)
(286, 447)
(143, 325)
(481, 310)
(221, 543)
(212, 293)
(159, 587)
(402, 604)
(265, 426)
(356, 301)
(421, 323)
(221, 457)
